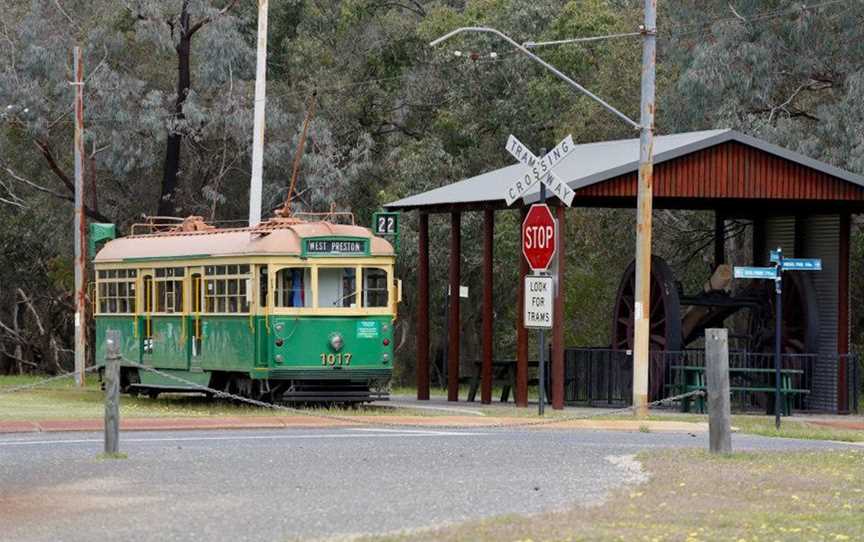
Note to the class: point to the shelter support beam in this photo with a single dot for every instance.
(488, 328)
(423, 309)
(719, 238)
(843, 316)
(454, 331)
(558, 316)
(759, 256)
(521, 393)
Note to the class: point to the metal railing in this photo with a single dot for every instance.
(603, 376)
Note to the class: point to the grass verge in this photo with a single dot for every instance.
(61, 400)
(693, 496)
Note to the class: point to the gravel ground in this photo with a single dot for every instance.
(302, 484)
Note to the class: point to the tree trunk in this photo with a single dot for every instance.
(167, 202)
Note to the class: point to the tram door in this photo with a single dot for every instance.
(194, 324)
(146, 331)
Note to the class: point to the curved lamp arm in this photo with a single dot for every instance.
(543, 63)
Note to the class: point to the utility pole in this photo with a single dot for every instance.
(260, 103)
(80, 224)
(644, 208)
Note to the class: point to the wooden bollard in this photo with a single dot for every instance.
(112, 392)
(717, 376)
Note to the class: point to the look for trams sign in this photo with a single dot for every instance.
(538, 302)
(539, 170)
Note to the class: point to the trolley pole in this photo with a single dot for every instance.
(80, 224)
(778, 332)
(644, 208)
(259, 122)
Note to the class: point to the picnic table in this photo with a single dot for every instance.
(504, 375)
(692, 377)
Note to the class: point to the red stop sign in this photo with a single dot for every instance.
(538, 237)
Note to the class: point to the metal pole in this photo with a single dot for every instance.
(258, 133)
(80, 224)
(778, 330)
(541, 369)
(112, 392)
(644, 208)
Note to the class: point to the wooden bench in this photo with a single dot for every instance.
(691, 378)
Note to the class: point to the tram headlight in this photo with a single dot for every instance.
(385, 359)
(279, 358)
(336, 342)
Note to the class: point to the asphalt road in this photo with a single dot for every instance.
(302, 484)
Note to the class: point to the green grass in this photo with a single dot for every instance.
(111, 456)
(694, 496)
(61, 400)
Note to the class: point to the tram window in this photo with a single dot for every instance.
(293, 287)
(262, 285)
(116, 292)
(375, 288)
(337, 287)
(227, 289)
(169, 296)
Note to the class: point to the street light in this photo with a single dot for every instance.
(644, 196)
(535, 58)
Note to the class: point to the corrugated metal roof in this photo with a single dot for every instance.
(234, 242)
(591, 163)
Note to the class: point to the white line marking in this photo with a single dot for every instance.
(430, 431)
(10, 443)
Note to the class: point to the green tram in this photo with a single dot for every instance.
(289, 311)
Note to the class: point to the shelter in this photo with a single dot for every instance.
(797, 203)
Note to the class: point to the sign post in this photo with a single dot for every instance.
(776, 274)
(539, 233)
(539, 237)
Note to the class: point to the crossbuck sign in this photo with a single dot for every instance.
(539, 170)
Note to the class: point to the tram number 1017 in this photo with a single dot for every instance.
(336, 359)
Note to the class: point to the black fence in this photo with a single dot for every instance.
(604, 377)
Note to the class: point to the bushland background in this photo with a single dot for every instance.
(169, 97)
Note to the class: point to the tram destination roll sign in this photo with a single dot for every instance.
(335, 247)
(538, 302)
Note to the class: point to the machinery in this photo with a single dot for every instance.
(678, 320)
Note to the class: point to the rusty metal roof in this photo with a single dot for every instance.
(593, 163)
(265, 240)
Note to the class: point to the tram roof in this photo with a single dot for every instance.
(284, 240)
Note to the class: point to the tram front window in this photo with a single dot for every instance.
(375, 291)
(337, 287)
(293, 287)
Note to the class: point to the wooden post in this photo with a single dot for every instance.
(644, 209)
(717, 380)
(520, 394)
(423, 309)
(558, 317)
(112, 392)
(80, 225)
(843, 317)
(488, 328)
(454, 332)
